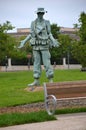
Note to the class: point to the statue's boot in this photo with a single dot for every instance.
(35, 83)
(50, 80)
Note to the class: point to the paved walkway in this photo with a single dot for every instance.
(63, 122)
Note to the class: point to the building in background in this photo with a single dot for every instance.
(63, 30)
(20, 32)
(70, 31)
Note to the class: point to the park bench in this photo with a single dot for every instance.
(62, 90)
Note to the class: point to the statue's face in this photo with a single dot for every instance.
(40, 14)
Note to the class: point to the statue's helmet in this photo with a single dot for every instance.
(41, 10)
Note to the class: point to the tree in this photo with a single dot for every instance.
(79, 48)
(5, 46)
(7, 43)
(65, 41)
(82, 31)
(54, 51)
(5, 27)
(79, 52)
(55, 30)
(65, 44)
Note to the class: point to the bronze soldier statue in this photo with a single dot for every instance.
(41, 40)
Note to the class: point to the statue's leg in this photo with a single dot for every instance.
(47, 64)
(37, 64)
(36, 68)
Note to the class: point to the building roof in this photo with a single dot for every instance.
(64, 30)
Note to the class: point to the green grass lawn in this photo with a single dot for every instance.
(12, 85)
(23, 118)
(9, 119)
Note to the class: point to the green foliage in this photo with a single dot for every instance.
(10, 119)
(22, 118)
(63, 49)
(70, 110)
(54, 51)
(8, 47)
(82, 21)
(55, 30)
(79, 52)
(8, 44)
(5, 27)
(79, 48)
(65, 44)
(65, 41)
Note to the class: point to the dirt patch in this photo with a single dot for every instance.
(34, 89)
(34, 107)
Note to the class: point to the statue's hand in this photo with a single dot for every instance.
(56, 43)
(21, 44)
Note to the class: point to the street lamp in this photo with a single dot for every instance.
(6, 62)
(68, 59)
(29, 56)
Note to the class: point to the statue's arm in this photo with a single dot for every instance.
(23, 42)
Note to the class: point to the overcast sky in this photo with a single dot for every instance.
(20, 13)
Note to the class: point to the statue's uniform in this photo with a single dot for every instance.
(40, 31)
(41, 39)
